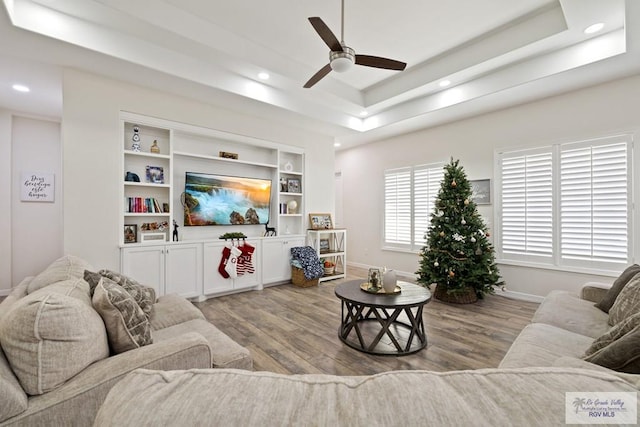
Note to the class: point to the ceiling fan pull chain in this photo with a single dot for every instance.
(342, 25)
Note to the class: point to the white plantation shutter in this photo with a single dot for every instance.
(567, 205)
(397, 206)
(527, 204)
(594, 212)
(426, 184)
(409, 195)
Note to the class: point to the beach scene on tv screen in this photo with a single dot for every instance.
(225, 200)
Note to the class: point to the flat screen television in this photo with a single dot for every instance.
(225, 200)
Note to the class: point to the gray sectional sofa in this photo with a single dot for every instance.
(529, 387)
(57, 358)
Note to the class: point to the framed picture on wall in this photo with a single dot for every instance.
(130, 233)
(481, 191)
(320, 221)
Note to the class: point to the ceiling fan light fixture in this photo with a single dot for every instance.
(342, 61)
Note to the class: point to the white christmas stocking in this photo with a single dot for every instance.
(232, 264)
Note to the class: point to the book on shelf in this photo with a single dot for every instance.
(142, 205)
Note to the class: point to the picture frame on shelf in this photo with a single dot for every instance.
(155, 174)
(324, 246)
(293, 185)
(320, 221)
(130, 233)
(481, 191)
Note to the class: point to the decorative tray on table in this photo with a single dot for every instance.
(366, 286)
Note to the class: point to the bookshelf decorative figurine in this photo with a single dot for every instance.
(175, 231)
(136, 139)
(154, 147)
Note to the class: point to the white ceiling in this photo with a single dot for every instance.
(496, 53)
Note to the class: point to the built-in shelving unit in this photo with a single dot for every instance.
(156, 198)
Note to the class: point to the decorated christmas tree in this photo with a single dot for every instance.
(458, 256)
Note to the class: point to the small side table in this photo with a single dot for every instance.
(383, 324)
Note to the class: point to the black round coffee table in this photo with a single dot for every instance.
(385, 324)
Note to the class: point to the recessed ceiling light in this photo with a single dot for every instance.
(364, 113)
(21, 88)
(445, 83)
(336, 144)
(594, 28)
(263, 76)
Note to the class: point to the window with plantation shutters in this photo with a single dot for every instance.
(567, 205)
(594, 203)
(409, 195)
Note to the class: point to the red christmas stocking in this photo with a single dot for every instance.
(223, 262)
(245, 260)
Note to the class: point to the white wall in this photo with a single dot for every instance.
(36, 238)
(92, 155)
(31, 232)
(5, 201)
(598, 111)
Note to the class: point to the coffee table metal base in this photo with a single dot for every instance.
(404, 328)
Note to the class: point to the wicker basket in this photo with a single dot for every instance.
(465, 296)
(298, 279)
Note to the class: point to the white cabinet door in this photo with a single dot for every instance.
(183, 267)
(213, 281)
(276, 258)
(146, 265)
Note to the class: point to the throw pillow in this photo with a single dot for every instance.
(127, 326)
(615, 333)
(621, 355)
(65, 268)
(145, 296)
(607, 302)
(627, 303)
(52, 335)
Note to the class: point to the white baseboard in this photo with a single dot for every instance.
(4, 292)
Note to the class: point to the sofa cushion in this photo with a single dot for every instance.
(572, 362)
(127, 326)
(172, 310)
(225, 352)
(51, 335)
(12, 396)
(607, 302)
(568, 311)
(143, 295)
(540, 344)
(627, 303)
(67, 267)
(16, 293)
(226, 397)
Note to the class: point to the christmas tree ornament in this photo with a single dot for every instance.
(454, 183)
(472, 239)
(466, 201)
(487, 234)
(463, 222)
(451, 273)
(442, 234)
(435, 264)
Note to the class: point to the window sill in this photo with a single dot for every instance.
(564, 269)
(401, 250)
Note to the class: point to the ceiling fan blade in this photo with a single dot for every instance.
(378, 62)
(318, 76)
(326, 34)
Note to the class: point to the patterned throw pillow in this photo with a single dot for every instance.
(607, 302)
(622, 354)
(144, 296)
(127, 326)
(627, 303)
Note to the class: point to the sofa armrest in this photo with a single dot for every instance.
(594, 291)
(77, 401)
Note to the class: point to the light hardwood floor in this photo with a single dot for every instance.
(294, 330)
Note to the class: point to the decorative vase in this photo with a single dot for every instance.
(154, 147)
(292, 205)
(389, 281)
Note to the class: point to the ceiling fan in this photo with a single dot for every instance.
(342, 57)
